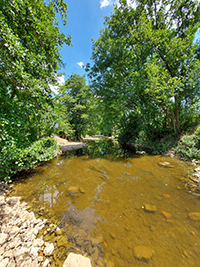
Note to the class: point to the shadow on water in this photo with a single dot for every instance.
(108, 202)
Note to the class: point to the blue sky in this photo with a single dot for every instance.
(84, 21)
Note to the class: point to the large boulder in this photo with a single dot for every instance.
(77, 260)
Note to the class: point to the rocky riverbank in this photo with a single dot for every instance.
(20, 243)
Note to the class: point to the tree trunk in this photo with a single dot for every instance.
(177, 129)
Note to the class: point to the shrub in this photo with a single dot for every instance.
(14, 159)
(189, 146)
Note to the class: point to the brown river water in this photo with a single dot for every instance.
(99, 204)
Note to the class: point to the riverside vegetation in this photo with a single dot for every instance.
(144, 80)
(144, 87)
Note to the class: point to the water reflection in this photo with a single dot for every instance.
(100, 205)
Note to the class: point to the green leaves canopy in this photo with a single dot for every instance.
(77, 102)
(147, 59)
(30, 41)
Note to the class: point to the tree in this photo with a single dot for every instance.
(147, 58)
(77, 102)
(30, 41)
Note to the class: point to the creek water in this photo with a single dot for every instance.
(98, 199)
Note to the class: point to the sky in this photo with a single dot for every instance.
(84, 21)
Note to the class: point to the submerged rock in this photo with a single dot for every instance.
(143, 253)
(62, 242)
(165, 164)
(82, 190)
(166, 196)
(194, 216)
(77, 260)
(150, 208)
(73, 189)
(166, 215)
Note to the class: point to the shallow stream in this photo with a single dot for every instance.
(99, 204)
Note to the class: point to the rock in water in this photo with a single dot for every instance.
(194, 216)
(166, 215)
(150, 208)
(77, 260)
(48, 249)
(166, 196)
(73, 189)
(165, 164)
(143, 253)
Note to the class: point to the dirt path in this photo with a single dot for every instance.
(66, 146)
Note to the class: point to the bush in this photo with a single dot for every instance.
(189, 146)
(14, 159)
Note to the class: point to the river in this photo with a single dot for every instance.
(107, 204)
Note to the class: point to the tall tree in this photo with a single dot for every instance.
(30, 42)
(78, 101)
(147, 58)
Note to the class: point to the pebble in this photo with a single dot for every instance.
(150, 208)
(143, 253)
(165, 164)
(73, 189)
(166, 196)
(19, 245)
(194, 216)
(48, 249)
(77, 260)
(19, 228)
(166, 215)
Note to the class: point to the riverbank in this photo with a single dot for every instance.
(21, 243)
(66, 146)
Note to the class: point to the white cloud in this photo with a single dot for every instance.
(61, 81)
(81, 65)
(105, 3)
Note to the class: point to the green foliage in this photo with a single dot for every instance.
(30, 42)
(146, 60)
(189, 147)
(102, 148)
(77, 107)
(14, 159)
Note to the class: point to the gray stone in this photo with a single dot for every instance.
(197, 169)
(3, 238)
(27, 263)
(34, 252)
(38, 242)
(77, 260)
(48, 249)
(46, 263)
(4, 262)
(35, 263)
(11, 264)
(21, 252)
